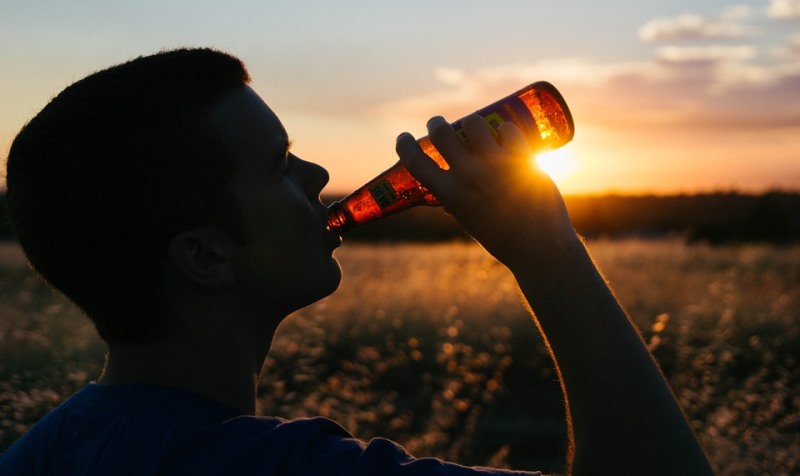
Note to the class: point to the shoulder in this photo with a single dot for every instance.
(197, 437)
(312, 446)
(275, 431)
(258, 445)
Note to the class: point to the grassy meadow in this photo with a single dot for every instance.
(428, 344)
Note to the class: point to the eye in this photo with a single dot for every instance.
(287, 156)
(286, 165)
(280, 164)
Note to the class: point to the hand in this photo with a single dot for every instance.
(513, 209)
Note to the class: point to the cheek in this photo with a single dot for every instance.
(279, 222)
(289, 237)
(284, 231)
(284, 243)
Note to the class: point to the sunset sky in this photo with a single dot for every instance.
(668, 96)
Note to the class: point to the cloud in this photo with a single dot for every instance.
(693, 88)
(698, 27)
(736, 12)
(784, 9)
(682, 87)
(712, 53)
(792, 48)
(461, 91)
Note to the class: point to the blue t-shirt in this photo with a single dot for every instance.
(142, 429)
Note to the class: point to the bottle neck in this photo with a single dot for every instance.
(338, 219)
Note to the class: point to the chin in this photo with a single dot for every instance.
(335, 281)
(327, 282)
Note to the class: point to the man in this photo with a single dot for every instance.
(161, 196)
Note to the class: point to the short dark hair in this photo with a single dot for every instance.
(101, 180)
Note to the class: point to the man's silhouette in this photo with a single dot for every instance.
(162, 197)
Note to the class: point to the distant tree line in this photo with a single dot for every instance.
(715, 218)
(723, 217)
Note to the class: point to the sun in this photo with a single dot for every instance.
(558, 164)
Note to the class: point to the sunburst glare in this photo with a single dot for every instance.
(558, 164)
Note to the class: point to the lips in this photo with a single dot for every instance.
(334, 237)
(336, 240)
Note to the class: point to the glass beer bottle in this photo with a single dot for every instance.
(536, 109)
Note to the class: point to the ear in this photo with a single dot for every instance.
(203, 256)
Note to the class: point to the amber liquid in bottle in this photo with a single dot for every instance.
(536, 109)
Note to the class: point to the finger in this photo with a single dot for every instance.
(511, 138)
(447, 141)
(422, 167)
(479, 135)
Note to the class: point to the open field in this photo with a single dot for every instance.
(429, 345)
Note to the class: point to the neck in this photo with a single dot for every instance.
(222, 369)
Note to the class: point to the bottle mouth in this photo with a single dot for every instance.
(337, 219)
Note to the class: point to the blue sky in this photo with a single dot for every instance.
(667, 95)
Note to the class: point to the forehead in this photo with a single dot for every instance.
(247, 125)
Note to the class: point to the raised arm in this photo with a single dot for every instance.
(622, 415)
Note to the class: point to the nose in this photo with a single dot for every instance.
(314, 177)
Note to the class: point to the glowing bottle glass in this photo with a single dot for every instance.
(535, 109)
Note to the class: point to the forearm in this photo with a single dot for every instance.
(623, 416)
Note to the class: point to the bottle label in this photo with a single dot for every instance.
(493, 119)
(511, 109)
(383, 194)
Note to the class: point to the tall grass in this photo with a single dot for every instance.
(430, 345)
